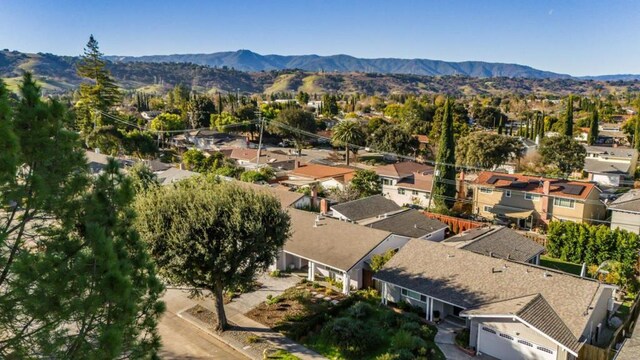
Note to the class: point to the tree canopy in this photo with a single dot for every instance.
(210, 235)
(291, 123)
(346, 133)
(444, 189)
(487, 150)
(366, 183)
(563, 153)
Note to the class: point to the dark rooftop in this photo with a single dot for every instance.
(409, 223)
(365, 208)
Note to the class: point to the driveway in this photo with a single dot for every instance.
(446, 341)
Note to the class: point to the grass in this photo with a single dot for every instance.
(282, 355)
(281, 84)
(558, 264)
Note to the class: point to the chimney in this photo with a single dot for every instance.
(324, 206)
(462, 189)
(296, 164)
(544, 200)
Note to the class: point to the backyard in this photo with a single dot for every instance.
(354, 327)
(553, 263)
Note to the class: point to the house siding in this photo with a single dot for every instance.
(600, 313)
(625, 221)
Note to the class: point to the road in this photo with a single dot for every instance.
(181, 340)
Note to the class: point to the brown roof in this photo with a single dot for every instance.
(468, 280)
(335, 243)
(286, 197)
(317, 171)
(418, 181)
(533, 184)
(402, 169)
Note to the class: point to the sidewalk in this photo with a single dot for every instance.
(243, 326)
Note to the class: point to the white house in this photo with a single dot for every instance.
(625, 212)
(407, 183)
(610, 166)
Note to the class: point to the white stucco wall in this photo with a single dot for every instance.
(625, 221)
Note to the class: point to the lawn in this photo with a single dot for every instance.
(358, 327)
(558, 264)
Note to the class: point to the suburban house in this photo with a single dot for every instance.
(531, 201)
(512, 310)
(281, 163)
(326, 176)
(208, 140)
(365, 210)
(407, 183)
(172, 175)
(625, 212)
(98, 161)
(610, 166)
(333, 248)
(498, 241)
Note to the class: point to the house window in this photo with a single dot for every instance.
(545, 349)
(401, 191)
(507, 193)
(532, 197)
(423, 298)
(387, 182)
(488, 208)
(486, 190)
(524, 342)
(506, 336)
(488, 330)
(413, 295)
(414, 192)
(566, 203)
(427, 195)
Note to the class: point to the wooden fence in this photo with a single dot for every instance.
(456, 225)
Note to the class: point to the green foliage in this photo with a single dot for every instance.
(488, 116)
(330, 105)
(80, 280)
(486, 150)
(360, 310)
(167, 122)
(593, 128)
(211, 235)
(462, 338)
(563, 153)
(223, 121)
(568, 121)
(140, 144)
(142, 178)
(366, 182)
(593, 245)
(378, 260)
(346, 133)
(290, 122)
(394, 139)
(197, 160)
(350, 335)
(264, 174)
(460, 119)
(275, 273)
(444, 190)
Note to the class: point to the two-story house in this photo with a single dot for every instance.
(407, 183)
(625, 212)
(533, 201)
(610, 166)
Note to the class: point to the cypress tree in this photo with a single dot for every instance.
(568, 124)
(444, 188)
(637, 135)
(593, 128)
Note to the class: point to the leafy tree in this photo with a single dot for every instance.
(200, 108)
(76, 281)
(98, 96)
(568, 122)
(330, 105)
(444, 190)
(292, 123)
(487, 150)
(489, 117)
(253, 176)
(562, 152)
(460, 121)
(141, 144)
(593, 128)
(348, 132)
(212, 236)
(142, 178)
(303, 98)
(378, 260)
(222, 121)
(366, 182)
(394, 139)
(167, 122)
(107, 139)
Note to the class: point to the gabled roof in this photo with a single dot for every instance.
(606, 167)
(498, 241)
(468, 280)
(174, 174)
(365, 208)
(534, 184)
(617, 152)
(286, 197)
(402, 169)
(418, 181)
(338, 244)
(409, 223)
(317, 171)
(628, 202)
(535, 311)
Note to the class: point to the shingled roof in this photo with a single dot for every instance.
(469, 280)
(365, 208)
(606, 167)
(403, 169)
(498, 241)
(629, 202)
(533, 184)
(409, 223)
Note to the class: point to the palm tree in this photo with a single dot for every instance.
(348, 132)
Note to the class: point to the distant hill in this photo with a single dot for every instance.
(246, 60)
(57, 74)
(618, 77)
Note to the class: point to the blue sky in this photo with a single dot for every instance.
(581, 37)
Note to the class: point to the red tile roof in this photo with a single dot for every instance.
(533, 184)
(403, 169)
(317, 171)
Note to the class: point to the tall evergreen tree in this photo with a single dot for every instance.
(444, 188)
(637, 134)
(568, 123)
(97, 96)
(541, 129)
(593, 128)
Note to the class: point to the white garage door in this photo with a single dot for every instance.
(508, 347)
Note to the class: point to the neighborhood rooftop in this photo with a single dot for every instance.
(403, 169)
(409, 223)
(497, 241)
(468, 280)
(534, 184)
(330, 242)
(628, 202)
(602, 166)
(365, 208)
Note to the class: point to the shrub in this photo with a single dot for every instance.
(405, 306)
(428, 332)
(404, 340)
(350, 336)
(390, 319)
(254, 339)
(360, 310)
(412, 327)
(274, 300)
(275, 273)
(378, 260)
(462, 338)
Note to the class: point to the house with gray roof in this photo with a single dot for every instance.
(625, 212)
(498, 241)
(365, 210)
(328, 247)
(412, 224)
(513, 310)
(610, 166)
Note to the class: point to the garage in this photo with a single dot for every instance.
(505, 346)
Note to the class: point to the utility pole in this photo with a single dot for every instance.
(260, 140)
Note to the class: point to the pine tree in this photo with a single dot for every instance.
(568, 124)
(593, 128)
(99, 95)
(444, 188)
